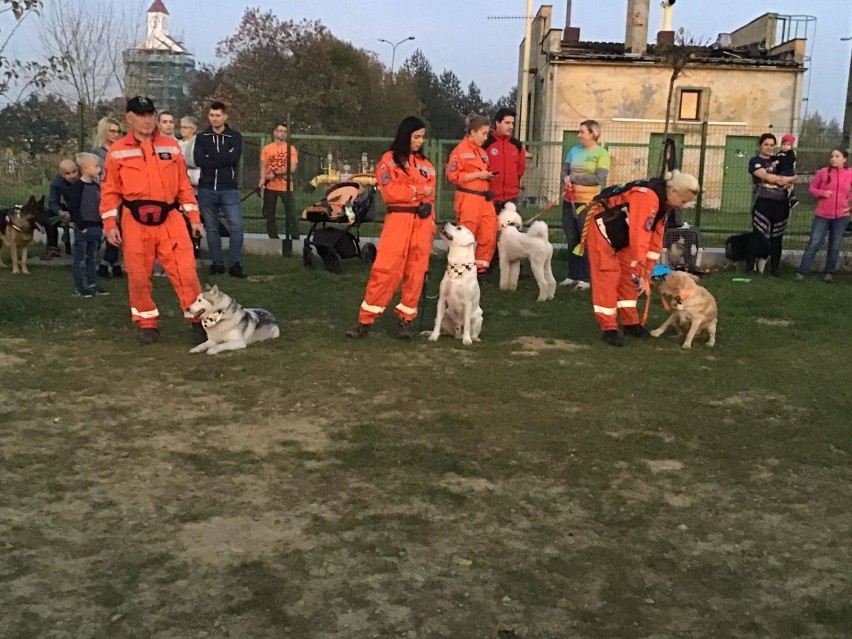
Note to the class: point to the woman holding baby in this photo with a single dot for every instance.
(771, 208)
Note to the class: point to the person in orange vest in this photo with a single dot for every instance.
(406, 180)
(145, 179)
(468, 170)
(624, 236)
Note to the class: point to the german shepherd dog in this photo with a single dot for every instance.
(16, 232)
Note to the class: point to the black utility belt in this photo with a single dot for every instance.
(488, 195)
(150, 212)
(422, 210)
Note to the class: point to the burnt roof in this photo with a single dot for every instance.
(752, 55)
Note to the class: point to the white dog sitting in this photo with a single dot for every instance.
(514, 246)
(458, 312)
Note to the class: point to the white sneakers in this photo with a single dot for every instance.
(578, 285)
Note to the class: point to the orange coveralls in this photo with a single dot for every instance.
(151, 170)
(473, 211)
(613, 291)
(406, 240)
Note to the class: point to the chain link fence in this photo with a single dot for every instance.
(717, 153)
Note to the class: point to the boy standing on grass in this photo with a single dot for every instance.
(785, 165)
(88, 227)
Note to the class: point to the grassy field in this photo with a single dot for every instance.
(538, 484)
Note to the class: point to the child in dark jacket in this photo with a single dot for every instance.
(784, 163)
(88, 228)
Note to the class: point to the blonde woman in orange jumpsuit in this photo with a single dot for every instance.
(468, 171)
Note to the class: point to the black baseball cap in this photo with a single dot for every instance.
(140, 104)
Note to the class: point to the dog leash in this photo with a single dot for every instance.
(544, 210)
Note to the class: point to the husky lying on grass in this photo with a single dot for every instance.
(229, 326)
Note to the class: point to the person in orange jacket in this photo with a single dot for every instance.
(406, 180)
(625, 236)
(468, 170)
(145, 179)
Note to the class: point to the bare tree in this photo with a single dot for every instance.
(21, 74)
(677, 57)
(94, 34)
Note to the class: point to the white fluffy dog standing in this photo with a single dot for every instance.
(514, 246)
(458, 312)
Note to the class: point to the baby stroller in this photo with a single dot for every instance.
(345, 203)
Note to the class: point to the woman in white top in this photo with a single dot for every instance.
(188, 128)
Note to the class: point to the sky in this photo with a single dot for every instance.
(458, 34)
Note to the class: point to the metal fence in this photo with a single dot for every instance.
(717, 153)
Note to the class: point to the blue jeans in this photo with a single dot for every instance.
(228, 203)
(819, 229)
(572, 224)
(84, 266)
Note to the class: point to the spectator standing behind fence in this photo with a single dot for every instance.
(584, 174)
(468, 170)
(771, 208)
(278, 162)
(109, 130)
(188, 129)
(166, 124)
(507, 159)
(217, 152)
(58, 199)
(832, 186)
(88, 227)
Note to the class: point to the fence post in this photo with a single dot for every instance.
(701, 157)
(81, 138)
(436, 154)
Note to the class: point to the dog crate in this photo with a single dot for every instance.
(682, 248)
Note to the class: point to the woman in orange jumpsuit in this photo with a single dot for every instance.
(625, 236)
(469, 172)
(406, 180)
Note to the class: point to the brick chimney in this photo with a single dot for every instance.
(636, 35)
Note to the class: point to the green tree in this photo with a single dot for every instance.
(273, 67)
(38, 125)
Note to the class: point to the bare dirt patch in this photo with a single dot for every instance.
(766, 321)
(538, 344)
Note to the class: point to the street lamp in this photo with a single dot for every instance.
(847, 119)
(393, 54)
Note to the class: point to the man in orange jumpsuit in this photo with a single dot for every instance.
(625, 236)
(406, 180)
(468, 171)
(146, 180)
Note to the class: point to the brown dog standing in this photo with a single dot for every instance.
(693, 308)
(16, 233)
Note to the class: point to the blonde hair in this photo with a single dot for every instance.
(103, 125)
(474, 122)
(82, 158)
(594, 126)
(682, 182)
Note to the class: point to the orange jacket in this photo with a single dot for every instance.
(466, 158)
(403, 186)
(646, 238)
(145, 170)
